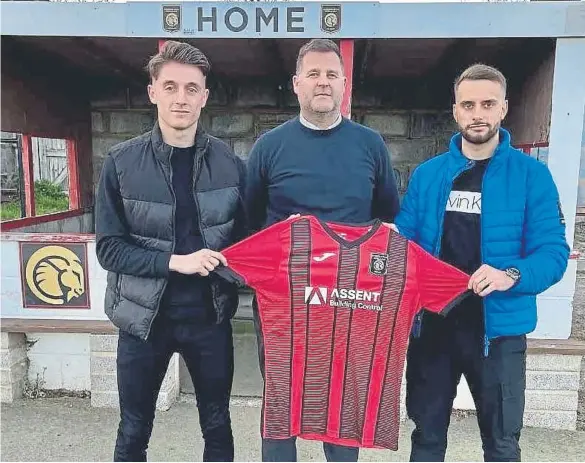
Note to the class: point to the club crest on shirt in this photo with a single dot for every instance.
(378, 264)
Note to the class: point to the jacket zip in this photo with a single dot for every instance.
(486, 339)
(195, 178)
(197, 172)
(170, 183)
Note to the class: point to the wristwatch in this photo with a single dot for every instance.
(513, 273)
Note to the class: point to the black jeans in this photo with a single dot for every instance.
(435, 362)
(208, 354)
(286, 449)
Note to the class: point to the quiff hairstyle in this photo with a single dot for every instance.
(178, 52)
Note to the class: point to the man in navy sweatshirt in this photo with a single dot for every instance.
(323, 164)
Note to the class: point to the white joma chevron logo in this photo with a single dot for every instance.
(324, 256)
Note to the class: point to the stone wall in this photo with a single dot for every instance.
(578, 325)
(14, 366)
(412, 136)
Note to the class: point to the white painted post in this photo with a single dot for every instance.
(555, 306)
(566, 132)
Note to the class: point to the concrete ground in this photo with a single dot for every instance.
(68, 429)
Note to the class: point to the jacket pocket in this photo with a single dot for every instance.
(512, 407)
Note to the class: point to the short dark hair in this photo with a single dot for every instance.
(179, 52)
(481, 72)
(319, 46)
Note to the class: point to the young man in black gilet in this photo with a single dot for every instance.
(167, 201)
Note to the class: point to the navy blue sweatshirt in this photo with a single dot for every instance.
(343, 174)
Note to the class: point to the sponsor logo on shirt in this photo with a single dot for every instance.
(467, 202)
(340, 297)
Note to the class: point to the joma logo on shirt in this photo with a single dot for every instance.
(322, 296)
(467, 202)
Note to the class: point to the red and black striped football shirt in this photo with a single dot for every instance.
(336, 305)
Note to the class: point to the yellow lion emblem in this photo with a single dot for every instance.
(55, 275)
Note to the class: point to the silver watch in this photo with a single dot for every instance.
(513, 273)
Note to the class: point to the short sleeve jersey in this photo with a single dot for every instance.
(336, 304)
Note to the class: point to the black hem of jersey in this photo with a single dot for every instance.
(230, 275)
(375, 224)
(455, 302)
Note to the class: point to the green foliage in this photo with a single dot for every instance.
(44, 188)
(9, 211)
(48, 199)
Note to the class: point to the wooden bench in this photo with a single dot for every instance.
(27, 325)
(556, 346)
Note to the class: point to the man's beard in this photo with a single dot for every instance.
(479, 139)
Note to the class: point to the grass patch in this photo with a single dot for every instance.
(48, 199)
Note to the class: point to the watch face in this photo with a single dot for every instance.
(513, 273)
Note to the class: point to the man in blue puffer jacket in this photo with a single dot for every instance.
(495, 213)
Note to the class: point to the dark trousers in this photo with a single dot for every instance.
(286, 449)
(435, 362)
(208, 354)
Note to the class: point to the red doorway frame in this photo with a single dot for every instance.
(29, 184)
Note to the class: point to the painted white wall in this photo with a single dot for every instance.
(555, 307)
(61, 360)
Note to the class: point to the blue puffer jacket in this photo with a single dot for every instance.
(522, 226)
